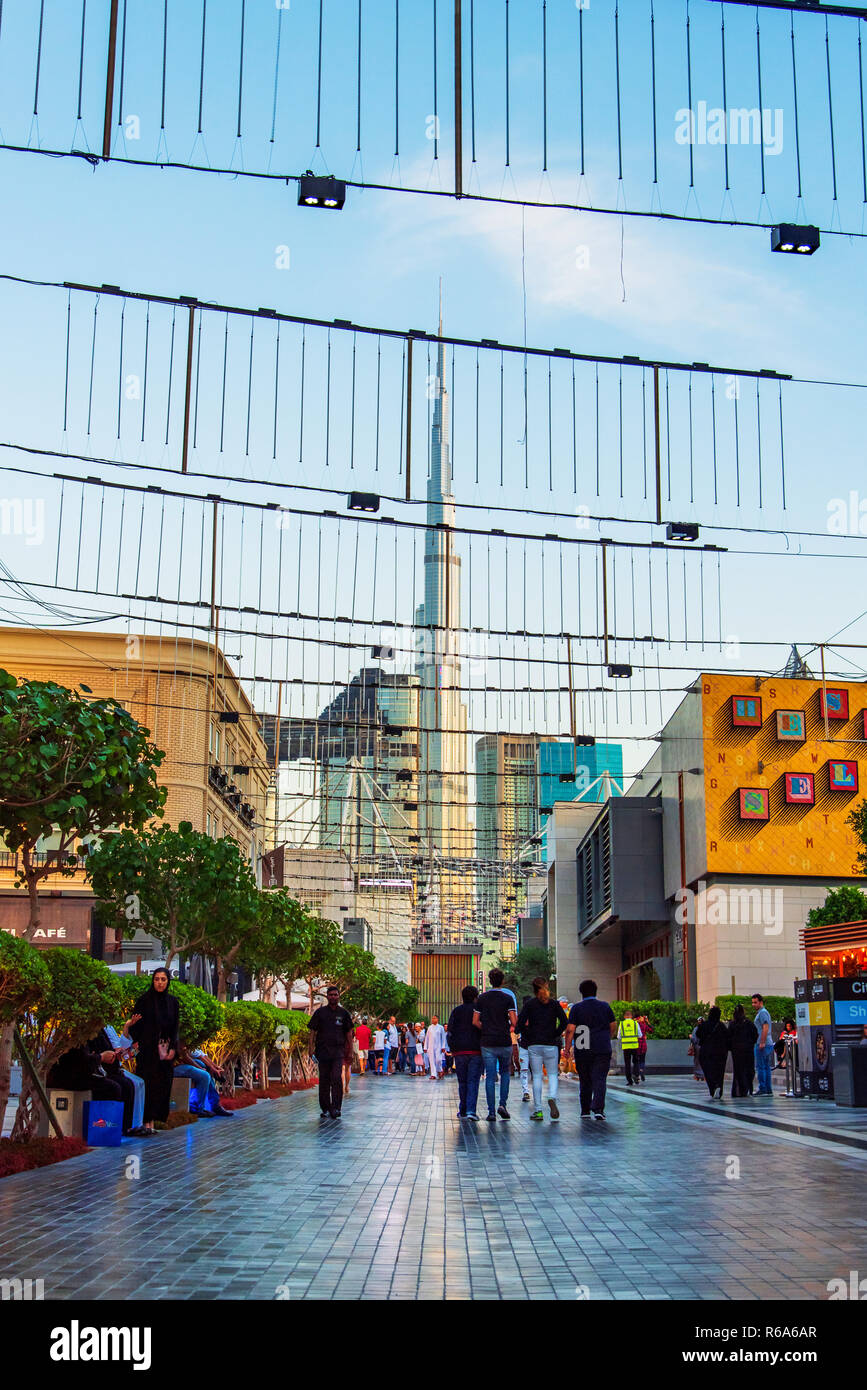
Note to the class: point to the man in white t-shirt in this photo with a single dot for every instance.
(378, 1048)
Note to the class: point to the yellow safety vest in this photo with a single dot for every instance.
(628, 1033)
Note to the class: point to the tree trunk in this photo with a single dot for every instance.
(247, 1071)
(27, 1114)
(6, 1033)
(33, 895)
(285, 1066)
(263, 1068)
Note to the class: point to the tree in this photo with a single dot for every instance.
(846, 904)
(857, 818)
(522, 968)
(285, 935)
(383, 995)
(193, 893)
(352, 968)
(24, 980)
(81, 997)
(69, 768)
(323, 956)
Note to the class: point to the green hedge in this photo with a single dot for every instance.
(779, 1006)
(669, 1018)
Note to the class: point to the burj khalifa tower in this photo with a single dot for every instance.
(444, 830)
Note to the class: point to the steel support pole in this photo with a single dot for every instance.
(459, 103)
(188, 388)
(657, 447)
(408, 445)
(109, 80)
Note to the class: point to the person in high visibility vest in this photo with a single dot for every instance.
(629, 1036)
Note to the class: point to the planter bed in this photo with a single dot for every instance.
(38, 1153)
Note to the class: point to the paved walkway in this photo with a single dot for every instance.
(818, 1119)
(401, 1200)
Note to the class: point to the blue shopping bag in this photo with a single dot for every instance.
(103, 1123)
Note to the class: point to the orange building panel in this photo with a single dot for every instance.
(800, 835)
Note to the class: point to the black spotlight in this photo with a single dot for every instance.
(681, 531)
(620, 672)
(788, 237)
(584, 740)
(320, 191)
(385, 654)
(363, 502)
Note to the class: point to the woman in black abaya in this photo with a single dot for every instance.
(156, 1031)
(713, 1040)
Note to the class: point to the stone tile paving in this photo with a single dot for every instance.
(401, 1200)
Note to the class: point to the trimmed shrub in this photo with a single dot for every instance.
(82, 995)
(779, 1006)
(669, 1018)
(24, 977)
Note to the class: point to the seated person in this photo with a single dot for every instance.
(94, 1067)
(200, 1071)
(126, 1050)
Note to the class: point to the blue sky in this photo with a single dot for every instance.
(594, 283)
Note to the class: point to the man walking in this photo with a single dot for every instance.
(435, 1043)
(764, 1047)
(392, 1042)
(629, 1036)
(331, 1033)
(495, 1015)
(592, 1025)
(465, 1046)
(363, 1036)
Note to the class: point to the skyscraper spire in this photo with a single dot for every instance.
(443, 714)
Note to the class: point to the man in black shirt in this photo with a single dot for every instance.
(495, 1015)
(592, 1025)
(331, 1033)
(465, 1047)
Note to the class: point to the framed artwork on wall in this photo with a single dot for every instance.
(746, 712)
(800, 790)
(842, 775)
(791, 726)
(834, 704)
(754, 803)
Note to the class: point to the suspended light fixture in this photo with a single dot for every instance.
(321, 191)
(681, 531)
(787, 237)
(363, 502)
(619, 671)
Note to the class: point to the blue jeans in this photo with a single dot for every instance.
(385, 1056)
(492, 1057)
(548, 1057)
(138, 1103)
(207, 1095)
(763, 1068)
(468, 1066)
